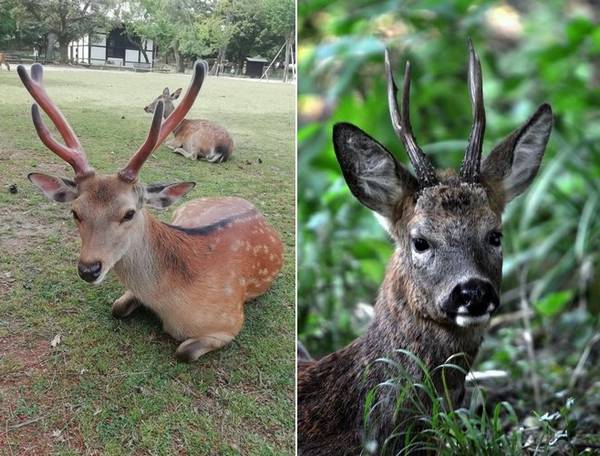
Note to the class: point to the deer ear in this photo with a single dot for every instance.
(515, 161)
(57, 189)
(175, 95)
(372, 173)
(163, 195)
(166, 92)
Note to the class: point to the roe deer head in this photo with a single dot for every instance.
(443, 281)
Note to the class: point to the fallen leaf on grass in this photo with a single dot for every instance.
(54, 342)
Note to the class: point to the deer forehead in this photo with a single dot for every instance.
(109, 193)
(454, 208)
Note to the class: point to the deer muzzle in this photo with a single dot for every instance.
(472, 302)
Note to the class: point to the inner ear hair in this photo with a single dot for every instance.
(514, 162)
(372, 173)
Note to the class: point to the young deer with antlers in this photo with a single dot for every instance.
(442, 283)
(195, 274)
(197, 139)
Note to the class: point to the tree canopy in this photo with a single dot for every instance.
(227, 29)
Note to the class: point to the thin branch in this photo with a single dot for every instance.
(528, 337)
(582, 359)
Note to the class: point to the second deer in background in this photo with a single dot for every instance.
(198, 139)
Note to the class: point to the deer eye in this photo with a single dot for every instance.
(495, 238)
(75, 216)
(128, 215)
(420, 245)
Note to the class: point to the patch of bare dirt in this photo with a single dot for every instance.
(22, 227)
(24, 428)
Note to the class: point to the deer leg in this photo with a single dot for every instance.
(125, 305)
(182, 151)
(192, 349)
(173, 143)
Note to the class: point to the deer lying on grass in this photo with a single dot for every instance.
(442, 283)
(3, 60)
(195, 274)
(196, 139)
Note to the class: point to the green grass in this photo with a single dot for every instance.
(428, 422)
(114, 387)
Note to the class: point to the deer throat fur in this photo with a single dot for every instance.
(346, 376)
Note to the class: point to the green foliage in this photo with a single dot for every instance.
(199, 28)
(67, 19)
(531, 53)
(433, 423)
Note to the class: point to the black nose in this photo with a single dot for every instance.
(476, 296)
(89, 271)
(147, 109)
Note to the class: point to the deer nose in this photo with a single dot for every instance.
(475, 296)
(89, 271)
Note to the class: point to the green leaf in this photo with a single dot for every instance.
(554, 303)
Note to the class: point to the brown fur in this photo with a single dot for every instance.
(198, 139)
(195, 274)
(440, 289)
(201, 138)
(402, 320)
(4, 60)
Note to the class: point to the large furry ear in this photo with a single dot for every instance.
(175, 95)
(515, 161)
(372, 173)
(57, 189)
(163, 195)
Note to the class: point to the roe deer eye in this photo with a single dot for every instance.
(420, 244)
(495, 238)
(128, 215)
(75, 216)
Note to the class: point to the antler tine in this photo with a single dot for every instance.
(186, 102)
(72, 152)
(401, 123)
(131, 171)
(469, 170)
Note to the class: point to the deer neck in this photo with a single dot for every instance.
(347, 376)
(179, 127)
(156, 255)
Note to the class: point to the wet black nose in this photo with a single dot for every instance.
(147, 109)
(475, 296)
(89, 271)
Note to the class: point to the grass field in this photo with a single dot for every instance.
(111, 386)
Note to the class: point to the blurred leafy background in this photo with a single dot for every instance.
(546, 335)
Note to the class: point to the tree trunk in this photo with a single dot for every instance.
(179, 61)
(218, 69)
(63, 50)
(286, 61)
(50, 42)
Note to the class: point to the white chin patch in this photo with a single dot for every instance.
(468, 320)
(100, 279)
